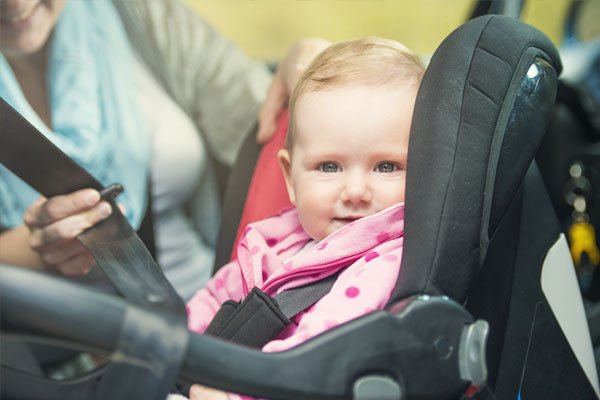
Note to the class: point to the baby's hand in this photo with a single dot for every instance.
(199, 392)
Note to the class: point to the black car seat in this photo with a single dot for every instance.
(496, 223)
(479, 229)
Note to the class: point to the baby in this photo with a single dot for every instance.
(344, 165)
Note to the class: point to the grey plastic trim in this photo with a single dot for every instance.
(374, 387)
(471, 353)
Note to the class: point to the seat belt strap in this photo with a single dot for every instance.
(118, 251)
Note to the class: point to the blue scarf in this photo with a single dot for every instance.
(93, 108)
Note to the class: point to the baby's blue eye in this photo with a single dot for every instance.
(386, 167)
(329, 167)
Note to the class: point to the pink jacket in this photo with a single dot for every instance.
(276, 254)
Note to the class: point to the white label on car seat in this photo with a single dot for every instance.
(559, 284)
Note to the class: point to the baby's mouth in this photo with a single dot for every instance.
(346, 220)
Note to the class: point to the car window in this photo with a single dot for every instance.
(548, 16)
(553, 18)
(586, 23)
(266, 28)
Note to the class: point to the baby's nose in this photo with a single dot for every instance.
(356, 189)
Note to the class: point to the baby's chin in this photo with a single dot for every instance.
(335, 225)
(318, 235)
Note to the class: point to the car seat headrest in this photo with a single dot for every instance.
(479, 118)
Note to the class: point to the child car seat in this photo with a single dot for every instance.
(491, 206)
(478, 229)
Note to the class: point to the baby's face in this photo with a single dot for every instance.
(349, 154)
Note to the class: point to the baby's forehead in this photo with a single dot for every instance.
(359, 98)
(356, 119)
(345, 108)
(340, 96)
(350, 83)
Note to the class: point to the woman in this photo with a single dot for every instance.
(136, 92)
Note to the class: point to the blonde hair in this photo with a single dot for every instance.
(368, 61)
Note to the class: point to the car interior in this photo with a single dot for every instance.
(498, 294)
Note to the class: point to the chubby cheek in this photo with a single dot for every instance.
(391, 193)
(312, 226)
(315, 211)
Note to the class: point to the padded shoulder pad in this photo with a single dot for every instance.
(470, 147)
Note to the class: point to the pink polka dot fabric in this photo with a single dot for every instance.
(276, 254)
(352, 292)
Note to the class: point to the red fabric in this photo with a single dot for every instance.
(471, 391)
(267, 194)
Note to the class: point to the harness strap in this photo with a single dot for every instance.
(260, 318)
(118, 251)
(293, 301)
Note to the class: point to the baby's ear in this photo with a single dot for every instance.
(285, 162)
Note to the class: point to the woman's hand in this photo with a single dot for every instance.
(288, 73)
(55, 223)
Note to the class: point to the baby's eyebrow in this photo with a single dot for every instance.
(393, 155)
(323, 156)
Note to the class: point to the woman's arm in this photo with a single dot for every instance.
(15, 250)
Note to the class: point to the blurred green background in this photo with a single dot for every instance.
(265, 29)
